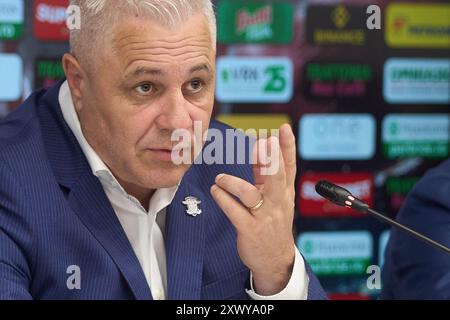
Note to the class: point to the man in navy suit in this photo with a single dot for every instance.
(92, 204)
(413, 269)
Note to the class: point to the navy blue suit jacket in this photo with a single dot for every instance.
(55, 214)
(413, 269)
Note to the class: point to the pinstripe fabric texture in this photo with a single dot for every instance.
(54, 214)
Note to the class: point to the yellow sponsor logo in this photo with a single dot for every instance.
(255, 122)
(340, 17)
(353, 37)
(411, 25)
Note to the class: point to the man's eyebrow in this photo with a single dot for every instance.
(145, 71)
(158, 72)
(201, 67)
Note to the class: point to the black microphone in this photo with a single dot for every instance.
(344, 198)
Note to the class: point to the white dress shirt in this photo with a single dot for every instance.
(145, 229)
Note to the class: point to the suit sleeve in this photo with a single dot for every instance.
(413, 269)
(315, 289)
(15, 275)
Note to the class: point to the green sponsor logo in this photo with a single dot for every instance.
(337, 253)
(11, 19)
(240, 73)
(50, 69)
(10, 31)
(275, 83)
(262, 80)
(420, 74)
(425, 149)
(308, 247)
(255, 22)
(426, 136)
(342, 267)
(334, 72)
(417, 81)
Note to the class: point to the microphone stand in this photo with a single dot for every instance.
(408, 230)
(343, 197)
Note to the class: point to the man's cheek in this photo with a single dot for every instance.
(203, 116)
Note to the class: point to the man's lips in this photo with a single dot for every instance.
(161, 149)
(165, 154)
(168, 149)
(162, 154)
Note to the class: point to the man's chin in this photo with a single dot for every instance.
(167, 178)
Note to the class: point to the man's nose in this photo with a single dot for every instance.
(174, 112)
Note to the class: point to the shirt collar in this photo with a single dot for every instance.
(70, 116)
(160, 199)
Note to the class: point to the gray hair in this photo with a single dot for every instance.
(98, 18)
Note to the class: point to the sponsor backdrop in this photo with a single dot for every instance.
(370, 107)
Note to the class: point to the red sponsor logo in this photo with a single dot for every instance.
(311, 204)
(399, 24)
(339, 89)
(49, 19)
(246, 19)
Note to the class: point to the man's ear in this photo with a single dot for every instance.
(75, 77)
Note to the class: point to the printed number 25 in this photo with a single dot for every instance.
(277, 82)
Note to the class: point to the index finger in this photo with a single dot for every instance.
(289, 151)
(275, 184)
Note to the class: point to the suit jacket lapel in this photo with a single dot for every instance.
(90, 203)
(185, 244)
(85, 193)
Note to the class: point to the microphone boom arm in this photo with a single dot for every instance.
(343, 197)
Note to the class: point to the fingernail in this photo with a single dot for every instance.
(214, 188)
(289, 129)
(220, 176)
(286, 128)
